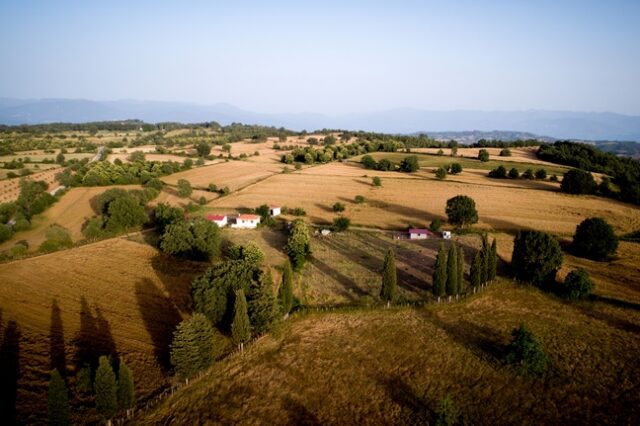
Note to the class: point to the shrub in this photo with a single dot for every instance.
(298, 211)
(594, 239)
(483, 155)
(376, 181)
(154, 183)
(338, 207)
(184, 188)
(5, 233)
(368, 162)
(298, 245)
(499, 172)
(525, 352)
(514, 173)
(341, 223)
(528, 174)
(553, 178)
(410, 164)
(577, 284)
(440, 152)
(578, 182)
(136, 156)
(461, 210)
(359, 199)
(203, 149)
(441, 173)
(57, 238)
(536, 257)
(505, 152)
(435, 225)
(455, 168)
(541, 174)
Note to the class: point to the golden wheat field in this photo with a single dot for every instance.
(114, 297)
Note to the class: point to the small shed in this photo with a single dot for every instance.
(418, 234)
(446, 235)
(274, 210)
(220, 220)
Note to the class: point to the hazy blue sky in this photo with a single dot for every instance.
(328, 56)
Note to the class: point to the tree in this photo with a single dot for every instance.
(184, 188)
(240, 327)
(203, 149)
(298, 245)
(192, 346)
(460, 264)
(199, 239)
(226, 148)
(126, 390)
(499, 172)
(476, 270)
(536, 257)
(447, 414)
(514, 173)
(505, 152)
(493, 261)
(440, 273)
(83, 380)
(58, 403)
(577, 284)
(594, 239)
(252, 254)
(341, 224)
(261, 303)
(528, 174)
(106, 389)
(165, 215)
(125, 213)
(461, 210)
(577, 181)
(452, 271)
(60, 158)
(435, 225)
(485, 252)
(541, 174)
(359, 199)
(389, 278)
(455, 168)
(410, 164)
(136, 156)
(285, 293)
(376, 181)
(483, 155)
(441, 173)
(525, 352)
(338, 207)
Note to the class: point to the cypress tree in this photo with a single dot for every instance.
(440, 273)
(58, 400)
(240, 327)
(106, 390)
(389, 278)
(192, 346)
(286, 289)
(493, 260)
(261, 303)
(126, 395)
(461, 286)
(476, 274)
(452, 271)
(484, 258)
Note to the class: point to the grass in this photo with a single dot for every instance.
(393, 367)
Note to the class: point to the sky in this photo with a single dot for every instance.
(328, 56)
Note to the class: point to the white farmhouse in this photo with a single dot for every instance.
(219, 220)
(246, 221)
(418, 234)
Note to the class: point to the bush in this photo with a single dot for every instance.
(461, 210)
(376, 181)
(577, 284)
(483, 155)
(528, 174)
(541, 174)
(298, 211)
(455, 168)
(359, 199)
(154, 183)
(203, 149)
(58, 238)
(298, 245)
(441, 173)
(514, 173)
(165, 215)
(505, 152)
(553, 178)
(435, 225)
(5, 233)
(499, 172)
(536, 258)
(525, 352)
(367, 161)
(341, 224)
(338, 207)
(410, 164)
(594, 239)
(578, 182)
(184, 188)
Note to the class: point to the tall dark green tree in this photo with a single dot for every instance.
(106, 389)
(58, 401)
(485, 253)
(594, 239)
(476, 270)
(493, 260)
(461, 210)
(389, 278)
(452, 271)
(536, 257)
(126, 390)
(285, 293)
(192, 346)
(461, 286)
(440, 273)
(240, 327)
(261, 303)
(298, 245)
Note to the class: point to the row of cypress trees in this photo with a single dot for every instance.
(448, 275)
(483, 267)
(111, 395)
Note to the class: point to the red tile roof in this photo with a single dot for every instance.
(418, 231)
(216, 217)
(248, 217)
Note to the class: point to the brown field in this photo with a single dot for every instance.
(10, 188)
(394, 366)
(150, 157)
(114, 296)
(518, 155)
(40, 155)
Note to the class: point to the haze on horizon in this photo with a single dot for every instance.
(328, 57)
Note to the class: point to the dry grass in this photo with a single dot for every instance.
(133, 295)
(393, 367)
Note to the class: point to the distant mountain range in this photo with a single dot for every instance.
(552, 124)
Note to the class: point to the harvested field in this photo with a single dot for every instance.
(10, 188)
(394, 367)
(151, 157)
(112, 297)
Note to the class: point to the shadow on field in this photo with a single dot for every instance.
(9, 371)
(299, 415)
(160, 317)
(352, 291)
(325, 208)
(413, 213)
(618, 303)
(610, 319)
(505, 226)
(175, 275)
(94, 339)
(414, 408)
(57, 354)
